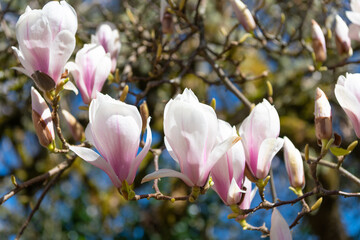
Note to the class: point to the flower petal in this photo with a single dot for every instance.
(279, 228)
(71, 87)
(95, 159)
(167, 173)
(268, 149)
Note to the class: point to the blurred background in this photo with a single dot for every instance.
(85, 205)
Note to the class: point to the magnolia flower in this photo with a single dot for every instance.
(347, 92)
(323, 118)
(46, 39)
(294, 164)
(279, 228)
(114, 129)
(342, 40)
(259, 133)
(354, 17)
(228, 172)
(108, 36)
(318, 42)
(191, 130)
(42, 119)
(243, 14)
(91, 68)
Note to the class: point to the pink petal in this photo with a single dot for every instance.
(167, 173)
(279, 228)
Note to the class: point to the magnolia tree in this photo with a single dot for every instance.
(225, 97)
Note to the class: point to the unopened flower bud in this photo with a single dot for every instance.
(76, 129)
(243, 14)
(294, 164)
(323, 118)
(166, 20)
(318, 42)
(42, 120)
(342, 39)
(144, 112)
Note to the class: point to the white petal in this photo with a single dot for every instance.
(167, 173)
(136, 162)
(279, 228)
(95, 159)
(71, 87)
(170, 151)
(234, 193)
(268, 149)
(354, 17)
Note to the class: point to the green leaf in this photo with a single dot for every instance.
(339, 151)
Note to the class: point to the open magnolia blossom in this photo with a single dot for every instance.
(342, 39)
(259, 133)
(354, 17)
(114, 129)
(318, 42)
(108, 36)
(41, 116)
(46, 39)
(91, 69)
(323, 116)
(294, 164)
(279, 228)
(191, 130)
(347, 92)
(228, 173)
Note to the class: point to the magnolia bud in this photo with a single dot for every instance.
(167, 23)
(76, 129)
(144, 112)
(42, 120)
(318, 42)
(294, 164)
(342, 40)
(323, 118)
(243, 14)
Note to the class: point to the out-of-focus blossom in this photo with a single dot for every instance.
(243, 14)
(318, 42)
(259, 133)
(91, 68)
(279, 228)
(354, 17)
(228, 172)
(342, 40)
(42, 120)
(46, 39)
(323, 118)
(114, 129)
(191, 130)
(347, 92)
(294, 164)
(166, 20)
(108, 36)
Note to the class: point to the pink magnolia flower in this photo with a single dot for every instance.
(347, 92)
(318, 42)
(191, 130)
(228, 172)
(114, 130)
(91, 68)
(42, 119)
(294, 164)
(279, 228)
(244, 15)
(108, 36)
(259, 133)
(342, 39)
(354, 17)
(46, 39)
